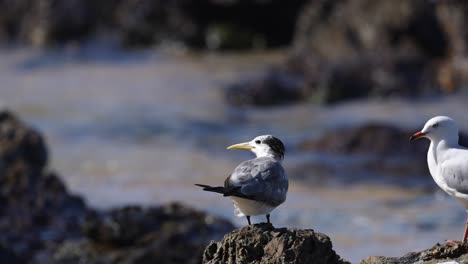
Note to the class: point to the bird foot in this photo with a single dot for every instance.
(452, 243)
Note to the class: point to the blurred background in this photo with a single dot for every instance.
(138, 100)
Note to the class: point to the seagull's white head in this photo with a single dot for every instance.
(263, 146)
(439, 128)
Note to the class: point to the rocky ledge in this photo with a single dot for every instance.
(263, 243)
(436, 254)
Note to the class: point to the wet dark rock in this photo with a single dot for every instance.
(20, 144)
(47, 22)
(275, 88)
(359, 153)
(378, 48)
(345, 50)
(37, 210)
(126, 226)
(171, 233)
(373, 146)
(246, 24)
(436, 254)
(41, 222)
(334, 31)
(7, 256)
(262, 243)
(371, 138)
(372, 48)
(208, 23)
(74, 251)
(213, 24)
(145, 22)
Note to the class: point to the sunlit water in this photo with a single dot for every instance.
(143, 127)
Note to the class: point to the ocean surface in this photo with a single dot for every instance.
(126, 127)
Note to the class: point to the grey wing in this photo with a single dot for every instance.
(261, 179)
(455, 175)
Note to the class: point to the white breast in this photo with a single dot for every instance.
(248, 207)
(433, 168)
(435, 159)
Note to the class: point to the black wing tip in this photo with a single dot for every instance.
(208, 188)
(205, 187)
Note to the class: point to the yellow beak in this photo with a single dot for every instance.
(245, 145)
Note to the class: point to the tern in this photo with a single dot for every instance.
(447, 160)
(259, 185)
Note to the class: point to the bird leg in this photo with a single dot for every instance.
(268, 218)
(452, 243)
(465, 235)
(248, 219)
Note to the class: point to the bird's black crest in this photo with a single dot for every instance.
(276, 145)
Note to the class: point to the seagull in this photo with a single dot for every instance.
(447, 161)
(259, 185)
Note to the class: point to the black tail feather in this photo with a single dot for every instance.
(208, 188)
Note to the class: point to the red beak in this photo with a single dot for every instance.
(417, 135)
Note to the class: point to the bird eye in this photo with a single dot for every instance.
(435, 125)
(257, 142)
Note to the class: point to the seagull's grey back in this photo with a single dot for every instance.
(261, 179)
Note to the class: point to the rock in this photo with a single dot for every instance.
(47, 22)
(208, 23)
(41, 222)
(364, 151)
(20, 144)
(170, 233)
(373, 151)
(346, 50)
(145, 22)
(7, 256)
(276, 88)
(434, 255)
(370, 48)
(262, 243)
(37, 210)
(125, 226)
(201, 24)
(74, 251)
(333, 30)
(387, 42)
(371, 138)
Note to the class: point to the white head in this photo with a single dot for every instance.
(263, 146)
(439, 128)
